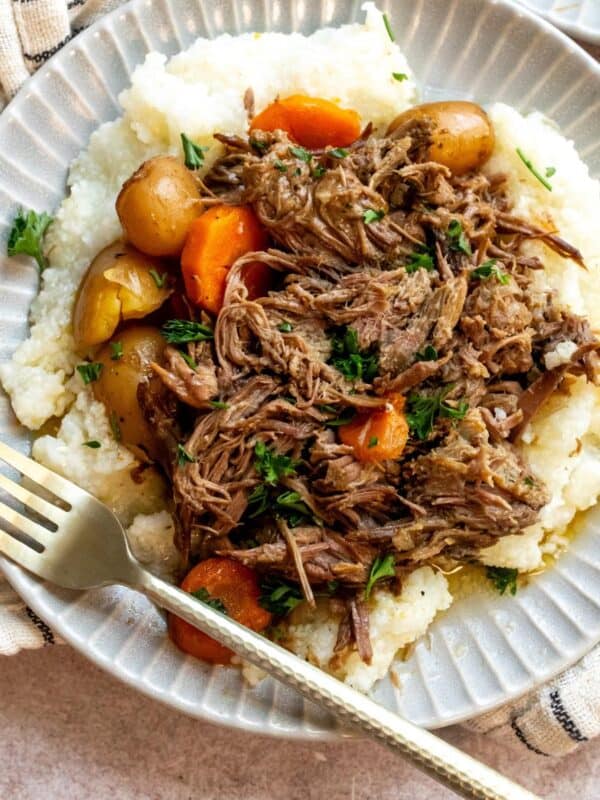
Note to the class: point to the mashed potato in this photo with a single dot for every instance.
(199, 92)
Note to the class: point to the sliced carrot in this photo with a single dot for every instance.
(237, 587)
(310, 121)
(380, 434)
(214, 242)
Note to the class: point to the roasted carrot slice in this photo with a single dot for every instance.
(380, 434)
(310, 121)
(214, 242)
(226, 583)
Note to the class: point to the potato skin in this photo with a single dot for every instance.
(157, 205)
(117, 286)
(463, 136)
(118, 383)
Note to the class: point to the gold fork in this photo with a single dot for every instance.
(75, 541)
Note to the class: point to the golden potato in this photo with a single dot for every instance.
(463, 137)
(117, 286)
(157, 205)
(136, 347)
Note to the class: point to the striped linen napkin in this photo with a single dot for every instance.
(551, 721)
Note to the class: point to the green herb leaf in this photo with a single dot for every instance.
(528, 481)
(258, 501)
(280, 166)
(93, 444)
(116, 351)
(421, 258)
(370, 215)
(279, 596)
(550, 171)
(219, 404)
(423, 410)
(346, 416)
(399, 76)
(271, 466)
(489, 270)
(338, 152)
(503, 578)
(302, 153)
(382, 567)
(182, 331)
(428, 353)
(458, 240)
(285, 327)
(388, 28)
(183, 457)
(346, 357)
(192, 364)
(533, 170)
(204, 597)
(193, 153)
(113, 420)
(159, 280)
(258, 145)
(90, 372)
(318, 171)
(373, 442)
(27, 236)
(290, 505)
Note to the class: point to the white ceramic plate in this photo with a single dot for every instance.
(578, 18)
(483, 652)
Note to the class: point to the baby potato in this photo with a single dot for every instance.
(157, 205)
(463, 136)
(136, 347)
(117, 286)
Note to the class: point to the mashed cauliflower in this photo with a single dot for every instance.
(199, 92)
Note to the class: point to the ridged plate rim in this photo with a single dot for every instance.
(587, 33)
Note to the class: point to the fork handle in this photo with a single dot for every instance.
(448, 765)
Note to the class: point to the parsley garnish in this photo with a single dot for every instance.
(489, 270)
(285, 327)
(27, 235)
(114, 426)
(271, 466)
(533, 170)
(302, 153)
(344, 418)
(428, 353)
(291, 506)
(189, 360)
(382, 567)
(399, 76)
(258, 145)
(280, 166)
(182, 331)
(388, 28)
(424, 409)
(354, 364)
(219, 404)
(550, 171)
(159, 280)
(528, 481)
(338, 152)
(318, 171)
(90, 372)
(204, 597)
(373, 442)
(183, 457)
(457, 238)
(370, 215)
(503, 578)
(116, 351)
(93, 444)
(279, 596)
(421, 258)
(193, 153)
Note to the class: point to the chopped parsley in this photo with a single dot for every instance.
(354, 364)
(159, 280)
(533, 170)
(204, 597)
(116, 351)
(370, 215)
(291, 506)
(280, 166)
(423, 410)
(318, 171)
(27, 236)
(503, 578)
(193, 153)
(421, 258)
(93, 444)
(338, 152)
(90, 372)
(388, 28)
(373, 442)
(457, 239)
(528, 481)
(382, 567)
(399, 76)
(183, 457)
(302, 153)
(182, 331)
(279, 596)
(428, 353)
(271, 466)
(114, 426)
(344, 417)
(219, 404)
(188, 360)
(258, 145)
(489, 269)
(285, 327)
(550, 171)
